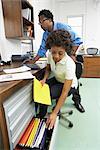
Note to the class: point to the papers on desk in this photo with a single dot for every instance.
(43, 59)
(17, 76)
(41, 93)
(15, 70)
(42, 62)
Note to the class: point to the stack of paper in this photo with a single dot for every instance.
(42, 62)
(43, 59)
(26, 13)
(16, 76)
(15, 70)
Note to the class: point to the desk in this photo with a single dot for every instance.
(91, 66)
(7, 90)
(17, 109)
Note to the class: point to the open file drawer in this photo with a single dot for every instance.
(32, 139)
(19, 110)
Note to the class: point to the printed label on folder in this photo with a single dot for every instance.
(41, 94)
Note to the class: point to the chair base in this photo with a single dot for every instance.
(63, 119)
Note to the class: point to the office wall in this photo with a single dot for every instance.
(90, 9)
(39, 5)
(93, 23)
(7, 47)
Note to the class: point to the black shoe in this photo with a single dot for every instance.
(80, 108)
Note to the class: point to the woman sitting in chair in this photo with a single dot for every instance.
(63, 67)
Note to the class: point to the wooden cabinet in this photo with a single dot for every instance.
(18, 19)
(91, 66)
(16, 110)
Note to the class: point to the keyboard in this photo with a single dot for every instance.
(33, 66)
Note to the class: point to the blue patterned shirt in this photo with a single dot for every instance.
(75, 38)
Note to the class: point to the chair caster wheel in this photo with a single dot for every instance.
(70, 125)
(71, 112)
(80, 84)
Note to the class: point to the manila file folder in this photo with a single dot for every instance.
(41, 94)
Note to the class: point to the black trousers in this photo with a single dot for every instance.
(55, 92)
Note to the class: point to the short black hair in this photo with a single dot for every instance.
(60, 38)
(46, 13)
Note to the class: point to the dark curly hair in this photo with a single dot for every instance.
(60, 38)
(46, 13)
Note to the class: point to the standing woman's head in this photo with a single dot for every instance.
(46, 20)
(59, 42)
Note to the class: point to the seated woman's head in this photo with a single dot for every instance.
(59, 42)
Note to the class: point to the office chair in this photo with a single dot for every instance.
(63, 115)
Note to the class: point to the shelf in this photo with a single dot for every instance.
(18, 19)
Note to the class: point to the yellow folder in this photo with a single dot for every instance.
(41, 94)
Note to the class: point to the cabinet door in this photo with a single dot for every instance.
(16, 24)
(12, 18)
(91, 67)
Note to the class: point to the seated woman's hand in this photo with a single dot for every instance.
(43, 81)
(51, 120)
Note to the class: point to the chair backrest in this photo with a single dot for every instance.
(79, 66)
